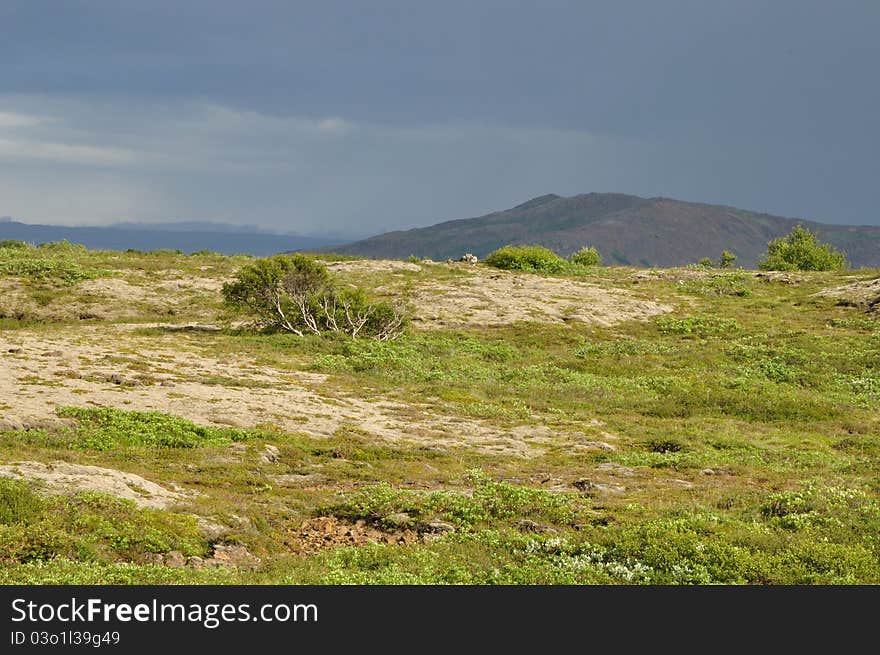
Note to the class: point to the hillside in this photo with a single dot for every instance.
(605, 425)
(625, 229)
(187, 236)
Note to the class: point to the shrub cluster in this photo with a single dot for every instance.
(540, 259)
(295, 293)
(800, 251)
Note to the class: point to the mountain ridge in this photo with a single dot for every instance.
(626, 229)
(187, 237)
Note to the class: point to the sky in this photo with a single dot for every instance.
(353, 118)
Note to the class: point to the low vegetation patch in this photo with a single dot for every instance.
(106, 429)
(535, 259)
(92, 527)
(55, 262)
(699, 326)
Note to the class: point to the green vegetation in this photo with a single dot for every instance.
(108, 429)
(734, 439)
(526, 258)
(18, 503)
(734, 283)
(538, 259)
(586, 256)
(97, 528)
(727, 259)
(490, 503)
(296, 293)
(55, 262)
(800, 251)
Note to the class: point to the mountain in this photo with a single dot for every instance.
(188, 237)
(625, 229)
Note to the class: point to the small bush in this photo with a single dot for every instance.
(18, 504)
(295, 293)
(720, 284)
(800, 251)
(727, 259)
(586, 256)
(526, 258)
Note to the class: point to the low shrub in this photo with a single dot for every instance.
(800, 251)
(297, 294)
(526, 258)
(586, 256)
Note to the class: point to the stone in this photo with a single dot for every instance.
(597, 445)
(210, 529)
(584, 484)
(237, 448)
(527, 525)
(232, 555)
(588, 486)
(10, 423)
(714, 472)
(69, 373)
(469, 258)
(195, 562)
(399, 520)
(175, 559)
(270, 454)
(615, 469)
(299, 479)
(435, 527)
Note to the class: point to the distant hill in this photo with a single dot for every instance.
(188, 237)
(625, 229)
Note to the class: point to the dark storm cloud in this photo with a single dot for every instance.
(386, 114)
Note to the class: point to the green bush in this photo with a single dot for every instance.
(18, 504)
(295, 293)
(586, 256)
(727, 259)
(800, 251)
(526, 258)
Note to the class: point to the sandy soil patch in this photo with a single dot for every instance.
(501, 298)
(82, 367)
(372, 266)
(481, 296)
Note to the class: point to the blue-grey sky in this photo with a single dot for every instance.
(357, 117)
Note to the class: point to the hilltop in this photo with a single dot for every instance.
(626, 229)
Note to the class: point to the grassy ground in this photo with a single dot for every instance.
(734, 440)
